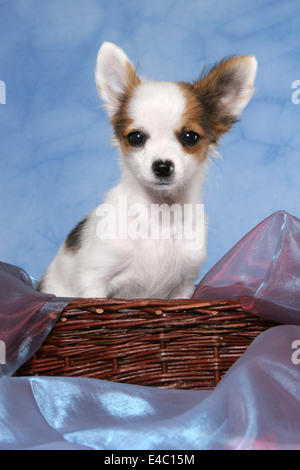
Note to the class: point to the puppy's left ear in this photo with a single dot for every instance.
(225, 91)
(115, 76)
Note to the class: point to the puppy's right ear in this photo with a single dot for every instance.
(115, 76)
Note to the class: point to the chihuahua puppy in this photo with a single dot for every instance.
(148, 239)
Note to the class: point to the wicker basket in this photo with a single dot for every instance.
(187, 344)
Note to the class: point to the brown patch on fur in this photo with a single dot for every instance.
(194, 119)
(206, 113)
(121, 121)
(226, 78)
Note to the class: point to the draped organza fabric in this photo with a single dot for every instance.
(262, 269)
(26, 317)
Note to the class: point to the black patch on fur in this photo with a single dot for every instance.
(74, 240)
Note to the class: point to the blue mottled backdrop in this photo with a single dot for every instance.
(56, 161)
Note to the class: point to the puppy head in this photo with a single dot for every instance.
(165, 128)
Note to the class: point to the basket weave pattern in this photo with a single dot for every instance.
(187, 344)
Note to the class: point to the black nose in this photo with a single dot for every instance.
(163, 168)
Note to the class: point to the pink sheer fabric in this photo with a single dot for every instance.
(262, 269)
(26, 317)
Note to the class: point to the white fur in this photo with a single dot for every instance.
(156, 109)
(236, 100)
(144, 267)
(110, 77)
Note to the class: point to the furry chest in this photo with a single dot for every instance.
(153, 269)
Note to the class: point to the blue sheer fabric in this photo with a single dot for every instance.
(255, 406)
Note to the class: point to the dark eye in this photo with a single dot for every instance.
(189, 138)
(136, 138)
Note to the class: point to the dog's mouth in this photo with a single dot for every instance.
(160, 184)
(163, 182)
